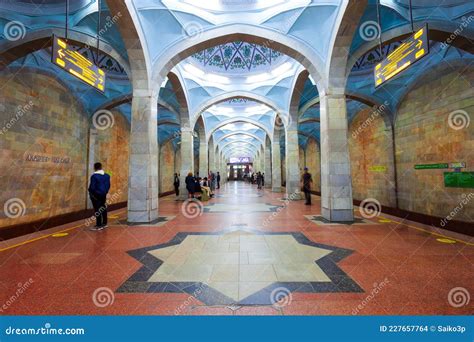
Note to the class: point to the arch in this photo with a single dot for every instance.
(239, 141)
(178, 89)
(339, 53)
(40, 39)
(369, 101)
(238, 133)
(296, 49)
(239, 150)
(247, 146)
(236, 94)
(238, 119)
(133, 37)
(438, 31)
(296, 94)
(127, 98)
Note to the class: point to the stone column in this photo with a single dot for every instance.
(203, 157)
(336, 182)
(143, 162)
(92, 144)
(268, 165)
(187, 160)
(276, 164)
(292, 162)
(212, 157)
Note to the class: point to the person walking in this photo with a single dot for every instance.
(218, 178)
(212, 181)
(176, 184)
(263, 179)
(98, 189)
(306, 182)
(190, 184)
(259, 180)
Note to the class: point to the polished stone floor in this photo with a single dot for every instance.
(245, 252)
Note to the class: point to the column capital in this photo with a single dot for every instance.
(144, 93)
(333, 93)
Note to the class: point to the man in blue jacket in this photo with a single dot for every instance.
(98, 189)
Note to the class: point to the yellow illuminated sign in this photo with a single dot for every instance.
(401, 58)
(77, 65)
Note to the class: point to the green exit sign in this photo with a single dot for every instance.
(459, 179)
(431, 166)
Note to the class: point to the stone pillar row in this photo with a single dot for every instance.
(336, 187)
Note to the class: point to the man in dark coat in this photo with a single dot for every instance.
(306, 182)
(98, 189)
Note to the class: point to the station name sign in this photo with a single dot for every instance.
(401, 58)
(77, 65)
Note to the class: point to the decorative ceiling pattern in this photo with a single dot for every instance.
(237, 56)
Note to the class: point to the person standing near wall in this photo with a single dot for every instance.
(306, 182)
(176, 184)
(218, 178)
(98, 189)
(190, 184)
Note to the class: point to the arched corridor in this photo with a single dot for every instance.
(251, 157)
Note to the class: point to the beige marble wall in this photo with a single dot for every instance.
(112, 150)
(167, 170)
(371, 151)
(313, 163)
(41, 120)
(423, 136)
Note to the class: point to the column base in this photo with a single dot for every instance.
(294, 196)
(338, 215)
(276, 189)
(147, 217)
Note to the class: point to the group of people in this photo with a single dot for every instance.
(197, 187)
(202, 188)
(257, 178)
(306, 182)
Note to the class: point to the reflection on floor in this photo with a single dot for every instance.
(247, 253)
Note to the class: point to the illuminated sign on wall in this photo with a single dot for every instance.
(77, 65)
(401, 58)
(240, 160)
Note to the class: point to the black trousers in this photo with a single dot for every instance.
(100, 209)
(176, 190)
(218, 184)
(307, 196)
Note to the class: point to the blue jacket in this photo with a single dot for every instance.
(100, 184)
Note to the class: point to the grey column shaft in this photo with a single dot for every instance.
(292, 164)
(187, 160)
(143, 162)
(336, 181)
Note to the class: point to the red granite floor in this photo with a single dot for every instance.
(412, 271)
